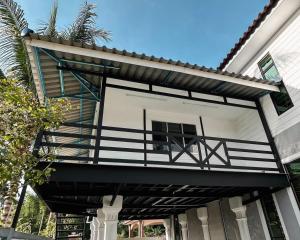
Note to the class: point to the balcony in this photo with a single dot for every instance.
(203, 153)
(109, 145)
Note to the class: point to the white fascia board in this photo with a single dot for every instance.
(145, 63)
(268, 29)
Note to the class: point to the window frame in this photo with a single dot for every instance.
(282, 87)
(167, 131)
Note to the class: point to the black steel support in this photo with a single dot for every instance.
(100, 120)
(203, 134)
(67, 172)
(269, 136)
(19, 206)
(145, 137)
(189, 97)
(162, 85)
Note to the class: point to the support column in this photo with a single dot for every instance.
(92, 228)
(239, 209)
(167, 225)
(203, 217)
(100, 120)
(182, 218)
(111, 210)
(100, 218)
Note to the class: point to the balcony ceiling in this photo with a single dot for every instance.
(149, 193)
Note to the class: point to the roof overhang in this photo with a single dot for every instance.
(116, 64)
(268, 26)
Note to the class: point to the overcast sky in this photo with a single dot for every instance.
(194, 31)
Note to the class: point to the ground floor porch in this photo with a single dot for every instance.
(193, 204)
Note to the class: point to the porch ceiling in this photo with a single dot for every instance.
(149, 193)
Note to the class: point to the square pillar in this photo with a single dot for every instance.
(182, 218)
(203, 217)
(111, 216)
(167, 225)
(100, 219)
(239, 209)
(93, 228)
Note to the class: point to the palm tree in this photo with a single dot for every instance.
(14, 60)
(13, 53)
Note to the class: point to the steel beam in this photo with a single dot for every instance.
(100, 120)
(67, 172)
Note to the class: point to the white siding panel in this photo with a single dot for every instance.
(285, 50)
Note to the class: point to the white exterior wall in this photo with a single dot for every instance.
(125, 109)
(285, 51)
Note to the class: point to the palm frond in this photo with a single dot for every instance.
(84, 27)
(49, 28)
(13, 54)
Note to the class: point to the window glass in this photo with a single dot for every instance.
(161, 140)
(272, 74)
(281, 100)
(176, 128)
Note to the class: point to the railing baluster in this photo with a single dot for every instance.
(200, 154)
(37, 144)
(145, 138)
(226, 152)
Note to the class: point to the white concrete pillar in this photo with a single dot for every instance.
(100, 218)
(96, 228)
(93, 229)
(167, 225)
(203, 217)
(111, 216)
(182, 218)
(239, 209)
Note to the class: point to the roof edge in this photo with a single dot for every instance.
(250, 31)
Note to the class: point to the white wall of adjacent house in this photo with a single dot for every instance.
(125, 108)
(284, 47)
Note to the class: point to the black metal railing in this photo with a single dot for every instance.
(136, 146)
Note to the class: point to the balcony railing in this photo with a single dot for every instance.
(128, 146)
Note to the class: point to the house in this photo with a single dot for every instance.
(206, 150)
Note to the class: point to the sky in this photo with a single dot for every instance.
(196, 31)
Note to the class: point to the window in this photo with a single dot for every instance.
(281, 100)
(176, 128)
(272, 218)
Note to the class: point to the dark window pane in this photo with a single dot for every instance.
(159, 138)
(176, 128)
(272, 218)
(190, 130)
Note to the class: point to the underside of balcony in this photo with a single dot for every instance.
(148, 193)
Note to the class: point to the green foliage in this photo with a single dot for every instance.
(22, 116)
(13, 53)
(154, 231)
(35, 218)
(49, 28)
(83, 29)
(122, 230)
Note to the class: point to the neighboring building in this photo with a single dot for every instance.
(271, 50)
(150, 138)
